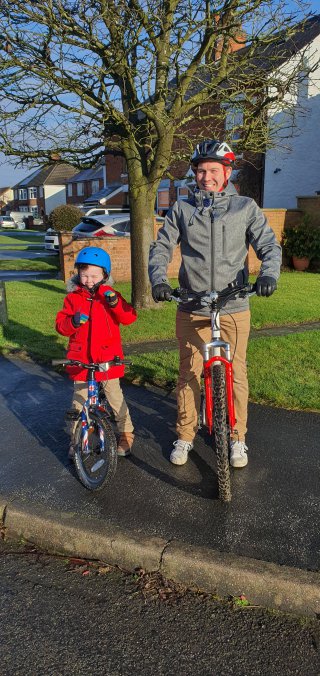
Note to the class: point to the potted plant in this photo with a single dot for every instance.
(302, 243)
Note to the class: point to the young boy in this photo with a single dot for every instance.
(91, 314)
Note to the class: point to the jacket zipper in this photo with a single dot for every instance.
(212, 250)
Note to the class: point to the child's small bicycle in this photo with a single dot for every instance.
(217, 408)
(94, 441)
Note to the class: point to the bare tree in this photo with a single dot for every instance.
(143, 77)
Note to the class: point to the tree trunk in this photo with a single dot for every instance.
(142, 209)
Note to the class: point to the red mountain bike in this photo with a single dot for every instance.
(217, 408)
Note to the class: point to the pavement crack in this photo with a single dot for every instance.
(163, 552)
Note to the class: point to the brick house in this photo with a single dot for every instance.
(42, 190)
(292, 167)
(6, 197)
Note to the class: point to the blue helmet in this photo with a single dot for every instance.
(92, 255)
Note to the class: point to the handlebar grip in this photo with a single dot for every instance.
(59, 362)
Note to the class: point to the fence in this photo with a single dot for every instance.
(119, 247)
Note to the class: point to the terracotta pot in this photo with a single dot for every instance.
(300, 264)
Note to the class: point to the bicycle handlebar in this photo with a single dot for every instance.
(217, 298)
(116, 361)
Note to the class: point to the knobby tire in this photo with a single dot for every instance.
(221, 431)
(95, 480)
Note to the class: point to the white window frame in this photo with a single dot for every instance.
(95, 187)
(32, 193)
(80, 189)
(23, 194)
(69, 189)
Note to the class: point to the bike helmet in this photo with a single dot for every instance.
(92, 255)
(213, 150)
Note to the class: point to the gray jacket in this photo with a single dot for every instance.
(214, 231)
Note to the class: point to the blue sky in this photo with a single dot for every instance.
(9, 175)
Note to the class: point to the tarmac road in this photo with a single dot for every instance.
(61, 618)
(274, 513)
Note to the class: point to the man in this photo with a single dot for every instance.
(214, 229)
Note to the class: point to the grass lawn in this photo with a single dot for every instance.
(282, 370)
(42, 263)
(23, 241)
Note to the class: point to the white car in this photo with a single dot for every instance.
(7, 223)
(51, 238)
(115, 225)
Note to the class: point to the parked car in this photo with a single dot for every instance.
(7, 223)
(51, 240)
(104, 225)
(117, 225)
(100, 211)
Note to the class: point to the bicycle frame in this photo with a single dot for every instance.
(208, 362)
(91, 402)
(212, 351)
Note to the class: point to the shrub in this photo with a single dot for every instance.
(64, 217)
(303, 240)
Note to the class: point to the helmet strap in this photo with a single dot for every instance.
(225, 177)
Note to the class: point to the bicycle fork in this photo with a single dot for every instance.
(93, 398)
(209, 362)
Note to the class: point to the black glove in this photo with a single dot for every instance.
(111, 298)
(266, 286)
(161, 292)
(78, 319)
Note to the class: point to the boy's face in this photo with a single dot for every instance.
(91, 275)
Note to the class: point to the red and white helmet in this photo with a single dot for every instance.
(213, 150)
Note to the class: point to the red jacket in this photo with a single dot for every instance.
(98, 340)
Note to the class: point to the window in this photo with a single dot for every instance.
(163, 199)
(32, 193)
(15, 194)
(23, 194)
(41, 191)
(94, 186)
(80, 190)
(69, 189)
(34, 211)
(183, 193)
(24, 209)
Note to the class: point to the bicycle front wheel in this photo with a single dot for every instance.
(95, 456)
(221, 431)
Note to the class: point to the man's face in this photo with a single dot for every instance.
(210, 175)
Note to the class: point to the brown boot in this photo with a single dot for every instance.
(124, 444)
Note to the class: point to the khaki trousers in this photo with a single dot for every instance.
(115, 398)
(192, 332)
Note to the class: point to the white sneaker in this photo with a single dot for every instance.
(238, 455)
(179, 455)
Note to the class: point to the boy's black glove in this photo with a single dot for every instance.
(78, 319)
(266, 286)
(111, 298)
(161, 292)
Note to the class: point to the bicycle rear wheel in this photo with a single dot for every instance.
(221, 431)
(96, 460)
